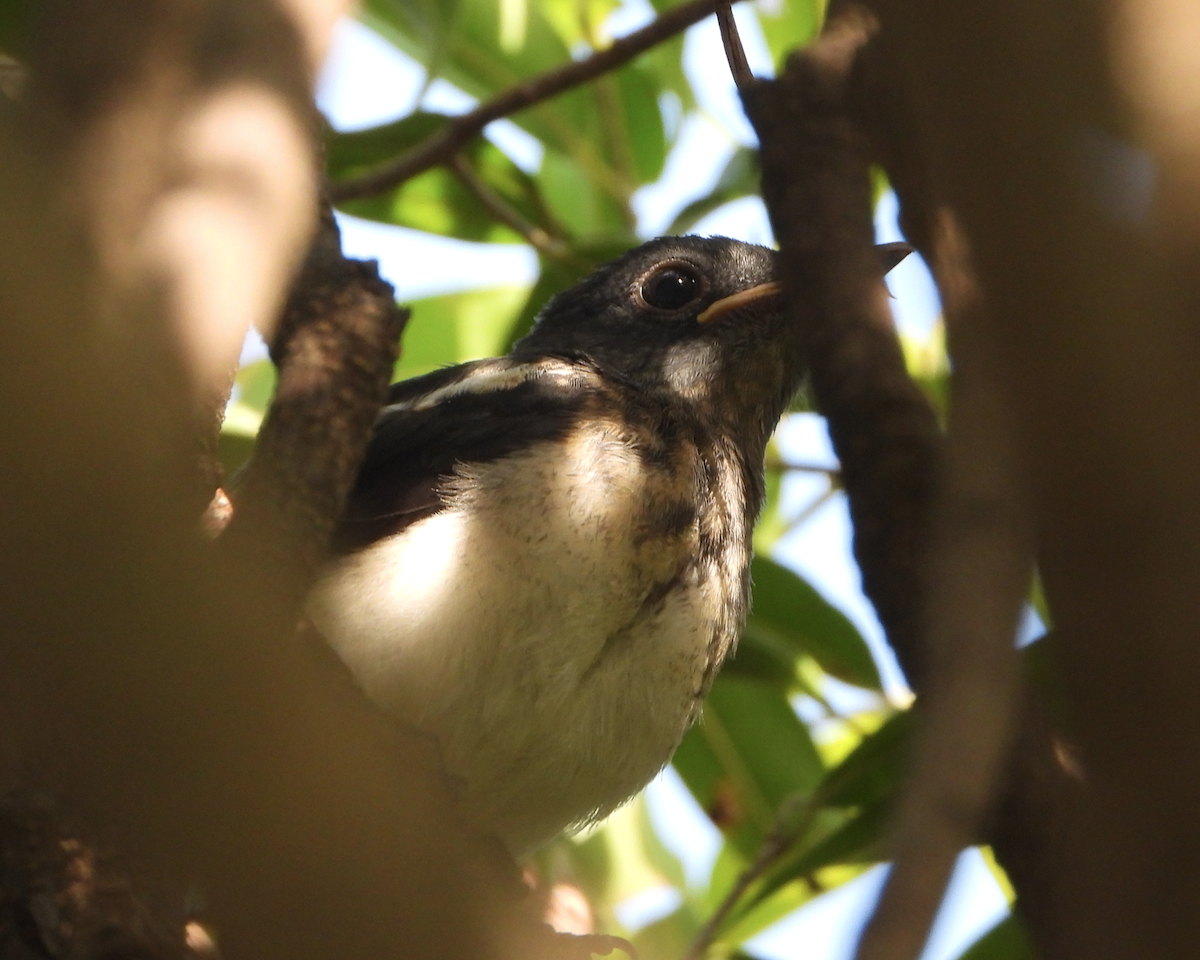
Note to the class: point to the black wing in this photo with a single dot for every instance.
(429, 426)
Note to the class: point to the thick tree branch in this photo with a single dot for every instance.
(448, 141)
(1091, 287)
(1033, 827)
(817, 189)
(153, 685)
(978, 577)
(335, 350)
(946, 574)
(315, 21)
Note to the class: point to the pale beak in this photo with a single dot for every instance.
(714, 311)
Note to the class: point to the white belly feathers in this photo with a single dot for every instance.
(555, 657)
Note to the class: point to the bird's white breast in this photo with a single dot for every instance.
(521, 625)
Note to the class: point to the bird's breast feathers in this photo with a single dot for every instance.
(556, 623)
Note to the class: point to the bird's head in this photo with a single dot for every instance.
(697, 317)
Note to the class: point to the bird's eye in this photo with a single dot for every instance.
(671, 286)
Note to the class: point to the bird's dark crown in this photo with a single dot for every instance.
(640, 317)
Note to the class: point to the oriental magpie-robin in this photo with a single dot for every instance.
(546, 556)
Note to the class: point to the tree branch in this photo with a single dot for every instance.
(448, 141)
(792, 821)
(505, 213)
(151, 684)
(1091, 287)
(979, 573)
(1036, 823)
(817, 189)
(962, 543)
(735, 53)
(335, 350)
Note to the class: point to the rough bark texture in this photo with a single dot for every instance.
(817, 187)
(1021, 120)
(59, 900)
(821, 124)
(335, 349)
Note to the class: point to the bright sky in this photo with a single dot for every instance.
(366, 81)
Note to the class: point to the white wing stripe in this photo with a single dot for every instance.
(495, 377)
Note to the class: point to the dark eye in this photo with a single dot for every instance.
(671, 286)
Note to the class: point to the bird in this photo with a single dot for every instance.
(545, 557)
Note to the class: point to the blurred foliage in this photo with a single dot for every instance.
(798, 747)
(1005, 941)
(17, 20)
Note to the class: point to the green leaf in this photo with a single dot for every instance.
(872, 770)
(577, 199)
(748, 921)
(665, 61)
(787, 24)
(803, 401)
(768, 911)
(255, 385)
(840, 850)
(656, 852)
(583, 860)
(1037, 597)
(475, 60)
(853, 803)
(857, 840)
(471, 32)
(763, 656)
(738, 179)
(353, 152)
(435, 201)
(794, 615)
(611, 131)
(615, 860)
(728, 867)
(456, 327)
(643, 122)
(670, 936)
(1007, 940)
(929, 365)
(575, 20)
(774, 746)
(747, 756)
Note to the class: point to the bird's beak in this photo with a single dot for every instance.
(714, 311)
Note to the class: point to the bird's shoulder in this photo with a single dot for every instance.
(468, 414)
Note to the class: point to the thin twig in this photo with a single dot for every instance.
(831, 472)
(440, 147)
(816, 504)
(778, 463)
(774, 846)
(505, 212)
(831, 715)
(735, 53)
